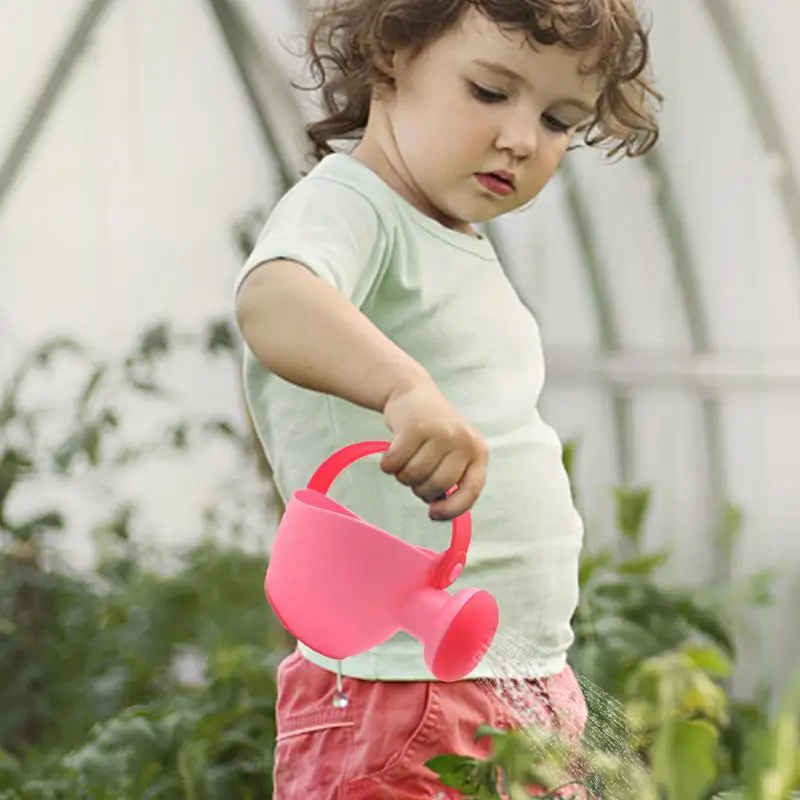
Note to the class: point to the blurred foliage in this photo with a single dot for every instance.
(141, 678)
(152, 675)
(654, 662)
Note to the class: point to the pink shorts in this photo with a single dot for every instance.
(377, 747)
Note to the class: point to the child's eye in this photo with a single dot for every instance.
(487, 95)
(555, 124)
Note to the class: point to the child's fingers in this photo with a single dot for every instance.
(445, 474)
(469, 489)
(402, 449)
(423, 464)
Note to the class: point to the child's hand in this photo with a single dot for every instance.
(433, 449)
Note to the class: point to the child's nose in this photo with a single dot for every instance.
(520, 138)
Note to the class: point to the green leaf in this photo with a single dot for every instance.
(155, 341)
(220, 337)
(8, 409)
(146, 384)
(108, 418)
(44, 354)
(569, 453)
(179, 436)
(14, 466)
(119, 526)
(487, 730)
(86, 440)
(632, 507)
(10, 770)
(592, 564)
(711, 660)
(644, 565)
(684, 758)
(38, 525)
(93, 384)
(760, 588)
(707, 623)
(729, 529)
(165, 787)
(773, 754)
(467, 775)
(223, 427)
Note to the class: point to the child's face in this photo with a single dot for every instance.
(452, 118)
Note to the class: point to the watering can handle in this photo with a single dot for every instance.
(453, 559)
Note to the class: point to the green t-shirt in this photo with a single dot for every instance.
(442, 296)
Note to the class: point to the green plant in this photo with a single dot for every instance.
(654, 660)
(534, 757)
(97, 657)
(206, 736)
(627, 613)
(207, 742)
(676, 709)
(134, 681)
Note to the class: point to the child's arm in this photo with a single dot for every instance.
(301, 328)
(305, 331)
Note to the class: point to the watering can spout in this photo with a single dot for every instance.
(456, 631)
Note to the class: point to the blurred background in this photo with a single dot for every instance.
(142, 143)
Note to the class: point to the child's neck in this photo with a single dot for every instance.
(377, 151)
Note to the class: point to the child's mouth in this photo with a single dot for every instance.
(496, 183)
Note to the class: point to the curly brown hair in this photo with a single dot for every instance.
(351, 41)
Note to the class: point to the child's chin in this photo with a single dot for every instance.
(487, 212)
(474, 212)
(462, 212)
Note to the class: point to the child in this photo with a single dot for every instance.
(373, 309)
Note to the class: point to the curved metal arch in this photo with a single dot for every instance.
(686, 271)
(756, 92)
(266, 87)
(47, 97)
(606, 315)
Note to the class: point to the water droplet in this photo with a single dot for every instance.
(340, 700)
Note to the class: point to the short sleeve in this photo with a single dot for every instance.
(329, 227)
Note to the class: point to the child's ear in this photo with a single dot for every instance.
(386, 61)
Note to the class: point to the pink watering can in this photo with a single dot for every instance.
(342, 586)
